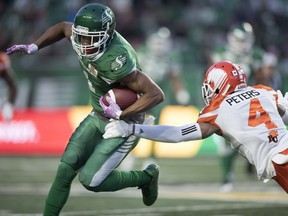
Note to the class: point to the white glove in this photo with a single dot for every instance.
(113, 110)
(283, 100)
(118, 129)
(7, 111)
(27, 49)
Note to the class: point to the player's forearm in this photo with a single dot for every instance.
(144, 103)
(12, 90)
(54, 34)
(173, 134)
(151, 93)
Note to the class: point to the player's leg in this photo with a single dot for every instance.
(99, 172)
(76, 153)
(280, 163)
(227, 164)
(227, 157)
(281, 175)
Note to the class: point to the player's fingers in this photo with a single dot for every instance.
(15, 48)
(102, 103)
(107, 135)
(279, 92)
(286, 96)
(109, 126)
(10, 50)
(109, 100)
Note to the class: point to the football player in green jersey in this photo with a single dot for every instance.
(108, 61)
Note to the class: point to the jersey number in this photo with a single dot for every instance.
(257, 116)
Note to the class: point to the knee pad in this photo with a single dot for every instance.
(66, 172)
(71, 157)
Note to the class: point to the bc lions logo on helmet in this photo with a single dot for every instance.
(222, 79)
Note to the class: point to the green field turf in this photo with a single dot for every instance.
(187, 187)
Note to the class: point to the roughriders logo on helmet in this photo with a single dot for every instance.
(107, 18)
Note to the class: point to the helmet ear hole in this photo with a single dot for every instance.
(217, 91)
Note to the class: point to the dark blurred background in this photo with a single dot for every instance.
(52, 77)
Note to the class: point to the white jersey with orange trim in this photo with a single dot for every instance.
(249, 121)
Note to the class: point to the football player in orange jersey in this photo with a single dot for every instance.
(252, 120)
(7, 97)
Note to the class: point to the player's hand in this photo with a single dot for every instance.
(283, 100)
(23, 48)
(112, 110)
(7, 111)
(118, 129)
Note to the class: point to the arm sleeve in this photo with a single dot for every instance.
(172, 134)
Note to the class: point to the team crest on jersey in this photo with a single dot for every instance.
(92, 70)
(118, 62)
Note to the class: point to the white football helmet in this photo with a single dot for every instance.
(222, 79)
(160, 42)
(241, 38)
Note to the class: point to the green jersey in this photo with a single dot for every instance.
(117, 61)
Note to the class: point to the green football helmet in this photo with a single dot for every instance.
(92, 31)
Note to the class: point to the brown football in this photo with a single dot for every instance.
(122, 96)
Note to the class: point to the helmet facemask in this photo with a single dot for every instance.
(89, 44)
(207, 93)
(213, 83)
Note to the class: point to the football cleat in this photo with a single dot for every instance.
(150, 191)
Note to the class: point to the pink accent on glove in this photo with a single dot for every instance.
(27, 49)
(112, 110)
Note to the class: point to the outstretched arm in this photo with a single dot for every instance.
(50, 36)
(165, 133)
(161, 133)
(54, 34)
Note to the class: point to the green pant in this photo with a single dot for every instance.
(92, 155)
(95, 160)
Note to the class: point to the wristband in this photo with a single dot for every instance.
(32, 48)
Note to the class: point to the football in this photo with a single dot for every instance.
(122, 96)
